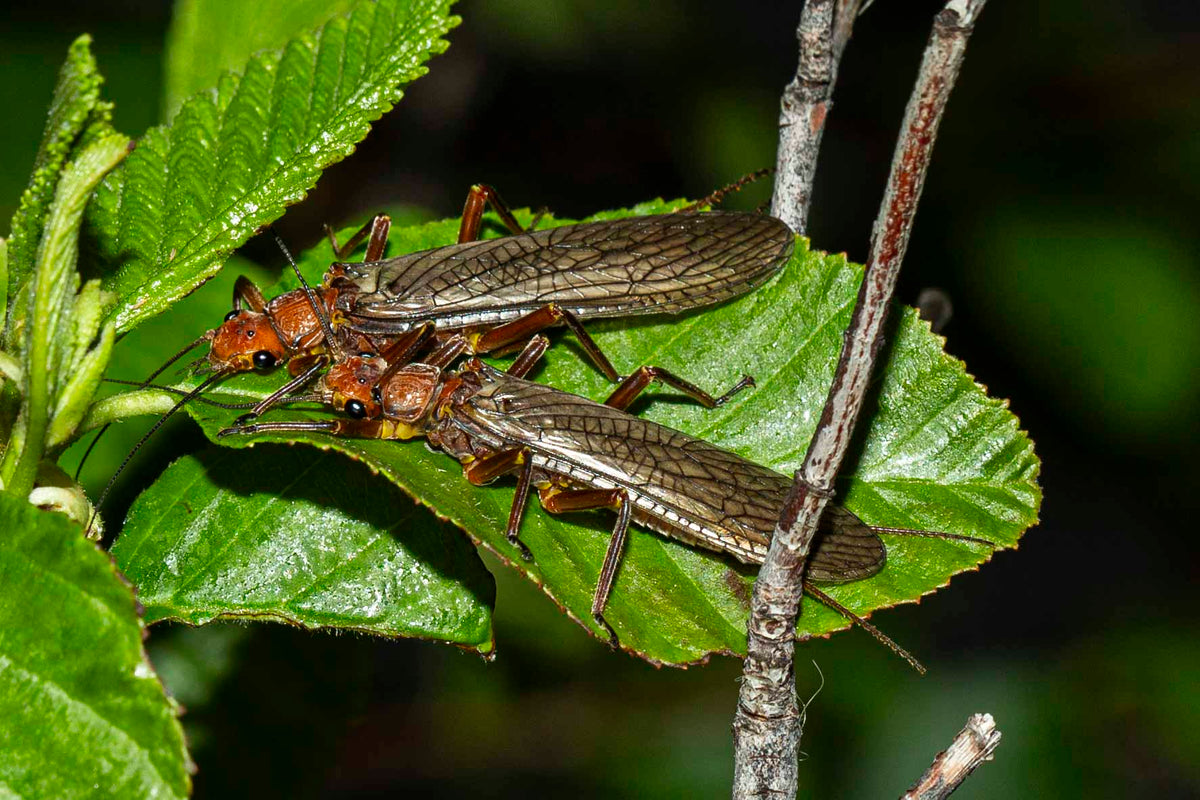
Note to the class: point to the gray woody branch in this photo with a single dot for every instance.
(971, 747)
(805, 104)
(766, 725)
(823, 33)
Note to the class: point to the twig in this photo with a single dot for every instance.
(823, 34)
(766, 730)
(843, 26)
(802, 112)
(971, 747)
(768, 721)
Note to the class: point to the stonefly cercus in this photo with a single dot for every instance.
(581, 455)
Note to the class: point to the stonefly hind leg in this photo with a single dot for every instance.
(635, 384)
(557, 500)
(642, 377)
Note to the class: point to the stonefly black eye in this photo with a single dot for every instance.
(356, 409)
(232, 315)
(264, 360)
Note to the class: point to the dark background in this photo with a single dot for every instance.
(1060, 216)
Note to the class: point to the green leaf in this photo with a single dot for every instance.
(299, 538)
(85, 318)
(934, 452)
(233, 158)
(43, 323)
(76, 397)
(208, 37)
(75, 96)
(84, 713)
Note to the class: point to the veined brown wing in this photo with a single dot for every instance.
(699, 492)
(640, 265)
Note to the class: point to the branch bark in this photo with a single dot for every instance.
(972, 746)
(767, 722)
(824, 31)
(802, 112)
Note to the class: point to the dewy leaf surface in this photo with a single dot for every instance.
(84, 713)
(934, 452)
(234, 157)
(315, 542)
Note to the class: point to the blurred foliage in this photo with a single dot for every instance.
(1111, 301)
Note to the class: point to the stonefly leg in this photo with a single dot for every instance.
(557, 500)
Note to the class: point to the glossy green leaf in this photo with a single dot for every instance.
(934, 453)
(208, 37)
(311, 540)
(84, 713)
(233, 158)
(75, 97)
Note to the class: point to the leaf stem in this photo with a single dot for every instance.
(767, 721)
(118, 407)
